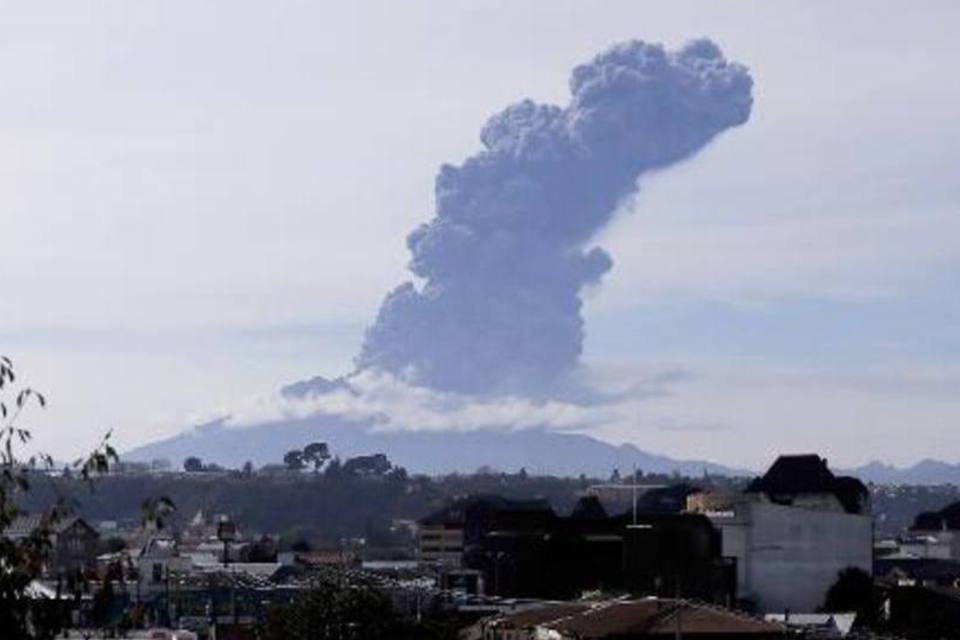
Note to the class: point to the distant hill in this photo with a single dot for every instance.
(432, 452)
(925, 472)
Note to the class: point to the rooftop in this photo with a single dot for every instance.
(795, 475)
(640, 618)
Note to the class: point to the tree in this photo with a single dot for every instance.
(344, 607)
(23, 616)
(334, 470)
(102, 606)
(294, 460)
(332, 609)
(301, 546)
(193, 464)
(113, 544)
(263, 550)
(398, 474)
(374, 465)
(853, 591)
(157, 512)
(317, 453)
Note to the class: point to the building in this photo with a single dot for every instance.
(625, 620)
(73, 541)
(159, 560)
(524, 549)
(441, 534)
(791, 532)
(941, 545)
(935, 534)
(440, 537)
(907, 570)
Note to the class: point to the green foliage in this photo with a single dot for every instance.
(853, 591)
(332, 609)
(322, 507)
(294, 460)
(344, 607)
(157, 511)
(367, 466)
(316, 453)
(23, 616)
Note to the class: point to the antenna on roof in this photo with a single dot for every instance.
(634, 492)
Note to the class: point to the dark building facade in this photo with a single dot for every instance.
(527, 550)
(73, 542)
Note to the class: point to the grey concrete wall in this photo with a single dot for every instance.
(793, 555)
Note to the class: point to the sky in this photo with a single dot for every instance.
(201, 202)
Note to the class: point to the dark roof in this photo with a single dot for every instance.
(26, 523)
(918, 568)
(851, 493)
(946, 518)
(588, 508)
(23, 525)
(790, 476)
(795, 474)
(456, 512)
(670, 499)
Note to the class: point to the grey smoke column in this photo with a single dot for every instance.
(504, 260)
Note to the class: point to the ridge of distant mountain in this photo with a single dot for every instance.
(925, 472)
(535, 449)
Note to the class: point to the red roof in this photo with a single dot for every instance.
(642, 618)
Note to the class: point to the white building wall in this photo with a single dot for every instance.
(788, 557)
(944, 545)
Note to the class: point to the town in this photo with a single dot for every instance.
(432, 320)
(795, 550)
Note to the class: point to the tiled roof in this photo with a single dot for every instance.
(23, 525)
(530, 618)
(641, 618)
(26, 523)
(705, 619)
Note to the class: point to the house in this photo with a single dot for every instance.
(923, 611)
(791, 532)
(905, 569)
(73, 541)
(626, 620)
(935, 534)
(159, 559)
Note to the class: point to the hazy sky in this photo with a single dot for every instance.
(203, 201)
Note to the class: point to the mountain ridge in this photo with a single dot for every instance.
(927, 471)
(536, 449)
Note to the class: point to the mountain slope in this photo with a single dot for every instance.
(925, 472)
(537, 450)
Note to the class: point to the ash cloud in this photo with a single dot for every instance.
(504, 261)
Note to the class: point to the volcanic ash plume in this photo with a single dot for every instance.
(505, 258)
